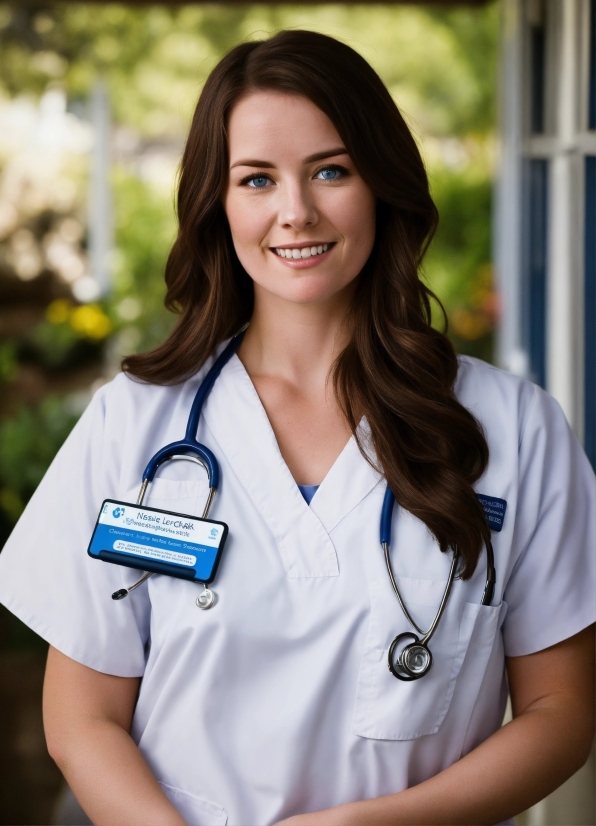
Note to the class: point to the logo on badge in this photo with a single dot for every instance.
(117, 512)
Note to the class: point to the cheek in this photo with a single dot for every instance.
(355, 219)
(247, 224)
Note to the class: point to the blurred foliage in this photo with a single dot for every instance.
(8, 361)
(458, 265)
(29, 440)
(145, 229)
(439, 64)
(69, 334)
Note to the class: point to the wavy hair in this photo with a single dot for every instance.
(396, 370)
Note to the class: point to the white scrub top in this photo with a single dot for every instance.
(279, 700)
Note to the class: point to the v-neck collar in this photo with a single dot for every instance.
(237, 419)
(347, 482)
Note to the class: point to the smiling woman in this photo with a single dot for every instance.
(261, 133)
(306, 692)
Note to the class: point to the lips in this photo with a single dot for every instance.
(302, 252)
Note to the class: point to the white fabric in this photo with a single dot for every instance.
(279, 700)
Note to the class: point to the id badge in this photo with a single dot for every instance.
(159, 541)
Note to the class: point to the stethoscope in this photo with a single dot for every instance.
(412, 660)
(407, 660)
(189, 449)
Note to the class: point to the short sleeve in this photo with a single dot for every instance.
(551, 592)
(46, 577)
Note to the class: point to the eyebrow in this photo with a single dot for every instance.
(318, 156)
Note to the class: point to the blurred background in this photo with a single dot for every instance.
(95, 102)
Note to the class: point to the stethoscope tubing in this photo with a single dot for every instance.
(385, 537)
(401, 666)
(189, 444)
(425, 635)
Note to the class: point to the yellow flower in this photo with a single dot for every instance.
(58, 311)
(90, 320)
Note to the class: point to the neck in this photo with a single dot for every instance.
(296, 342)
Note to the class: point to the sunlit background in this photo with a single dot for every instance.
(95, 101)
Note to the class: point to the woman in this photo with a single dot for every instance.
(304, 211)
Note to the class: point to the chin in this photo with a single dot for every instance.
(307, 290)
(310, 295)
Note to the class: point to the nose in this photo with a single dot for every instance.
(296, 207)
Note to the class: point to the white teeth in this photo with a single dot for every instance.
(304, 252)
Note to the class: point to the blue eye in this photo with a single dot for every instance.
(330, 173)
(258, 181)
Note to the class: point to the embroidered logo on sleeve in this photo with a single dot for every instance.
(494, 509)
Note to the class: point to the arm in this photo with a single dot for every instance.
(87, 719)
(549, 739)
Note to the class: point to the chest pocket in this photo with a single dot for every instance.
(387, 708)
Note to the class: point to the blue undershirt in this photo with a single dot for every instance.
(308, 491)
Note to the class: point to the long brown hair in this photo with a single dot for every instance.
(397, 370)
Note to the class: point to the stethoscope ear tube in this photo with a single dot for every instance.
(124, 592)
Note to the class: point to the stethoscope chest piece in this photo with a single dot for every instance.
(410, 662)
(206, 599)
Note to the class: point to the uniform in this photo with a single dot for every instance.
(279, 700)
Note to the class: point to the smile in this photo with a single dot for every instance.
(302, 252)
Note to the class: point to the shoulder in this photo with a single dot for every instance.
(125, 399)
(498, 399)
(476, 377)
(127, 395)
(125, 389)
(524, 425)
(128, 399)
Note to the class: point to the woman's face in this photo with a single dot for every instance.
(302, 219)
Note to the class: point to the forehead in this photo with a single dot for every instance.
(272, 126)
